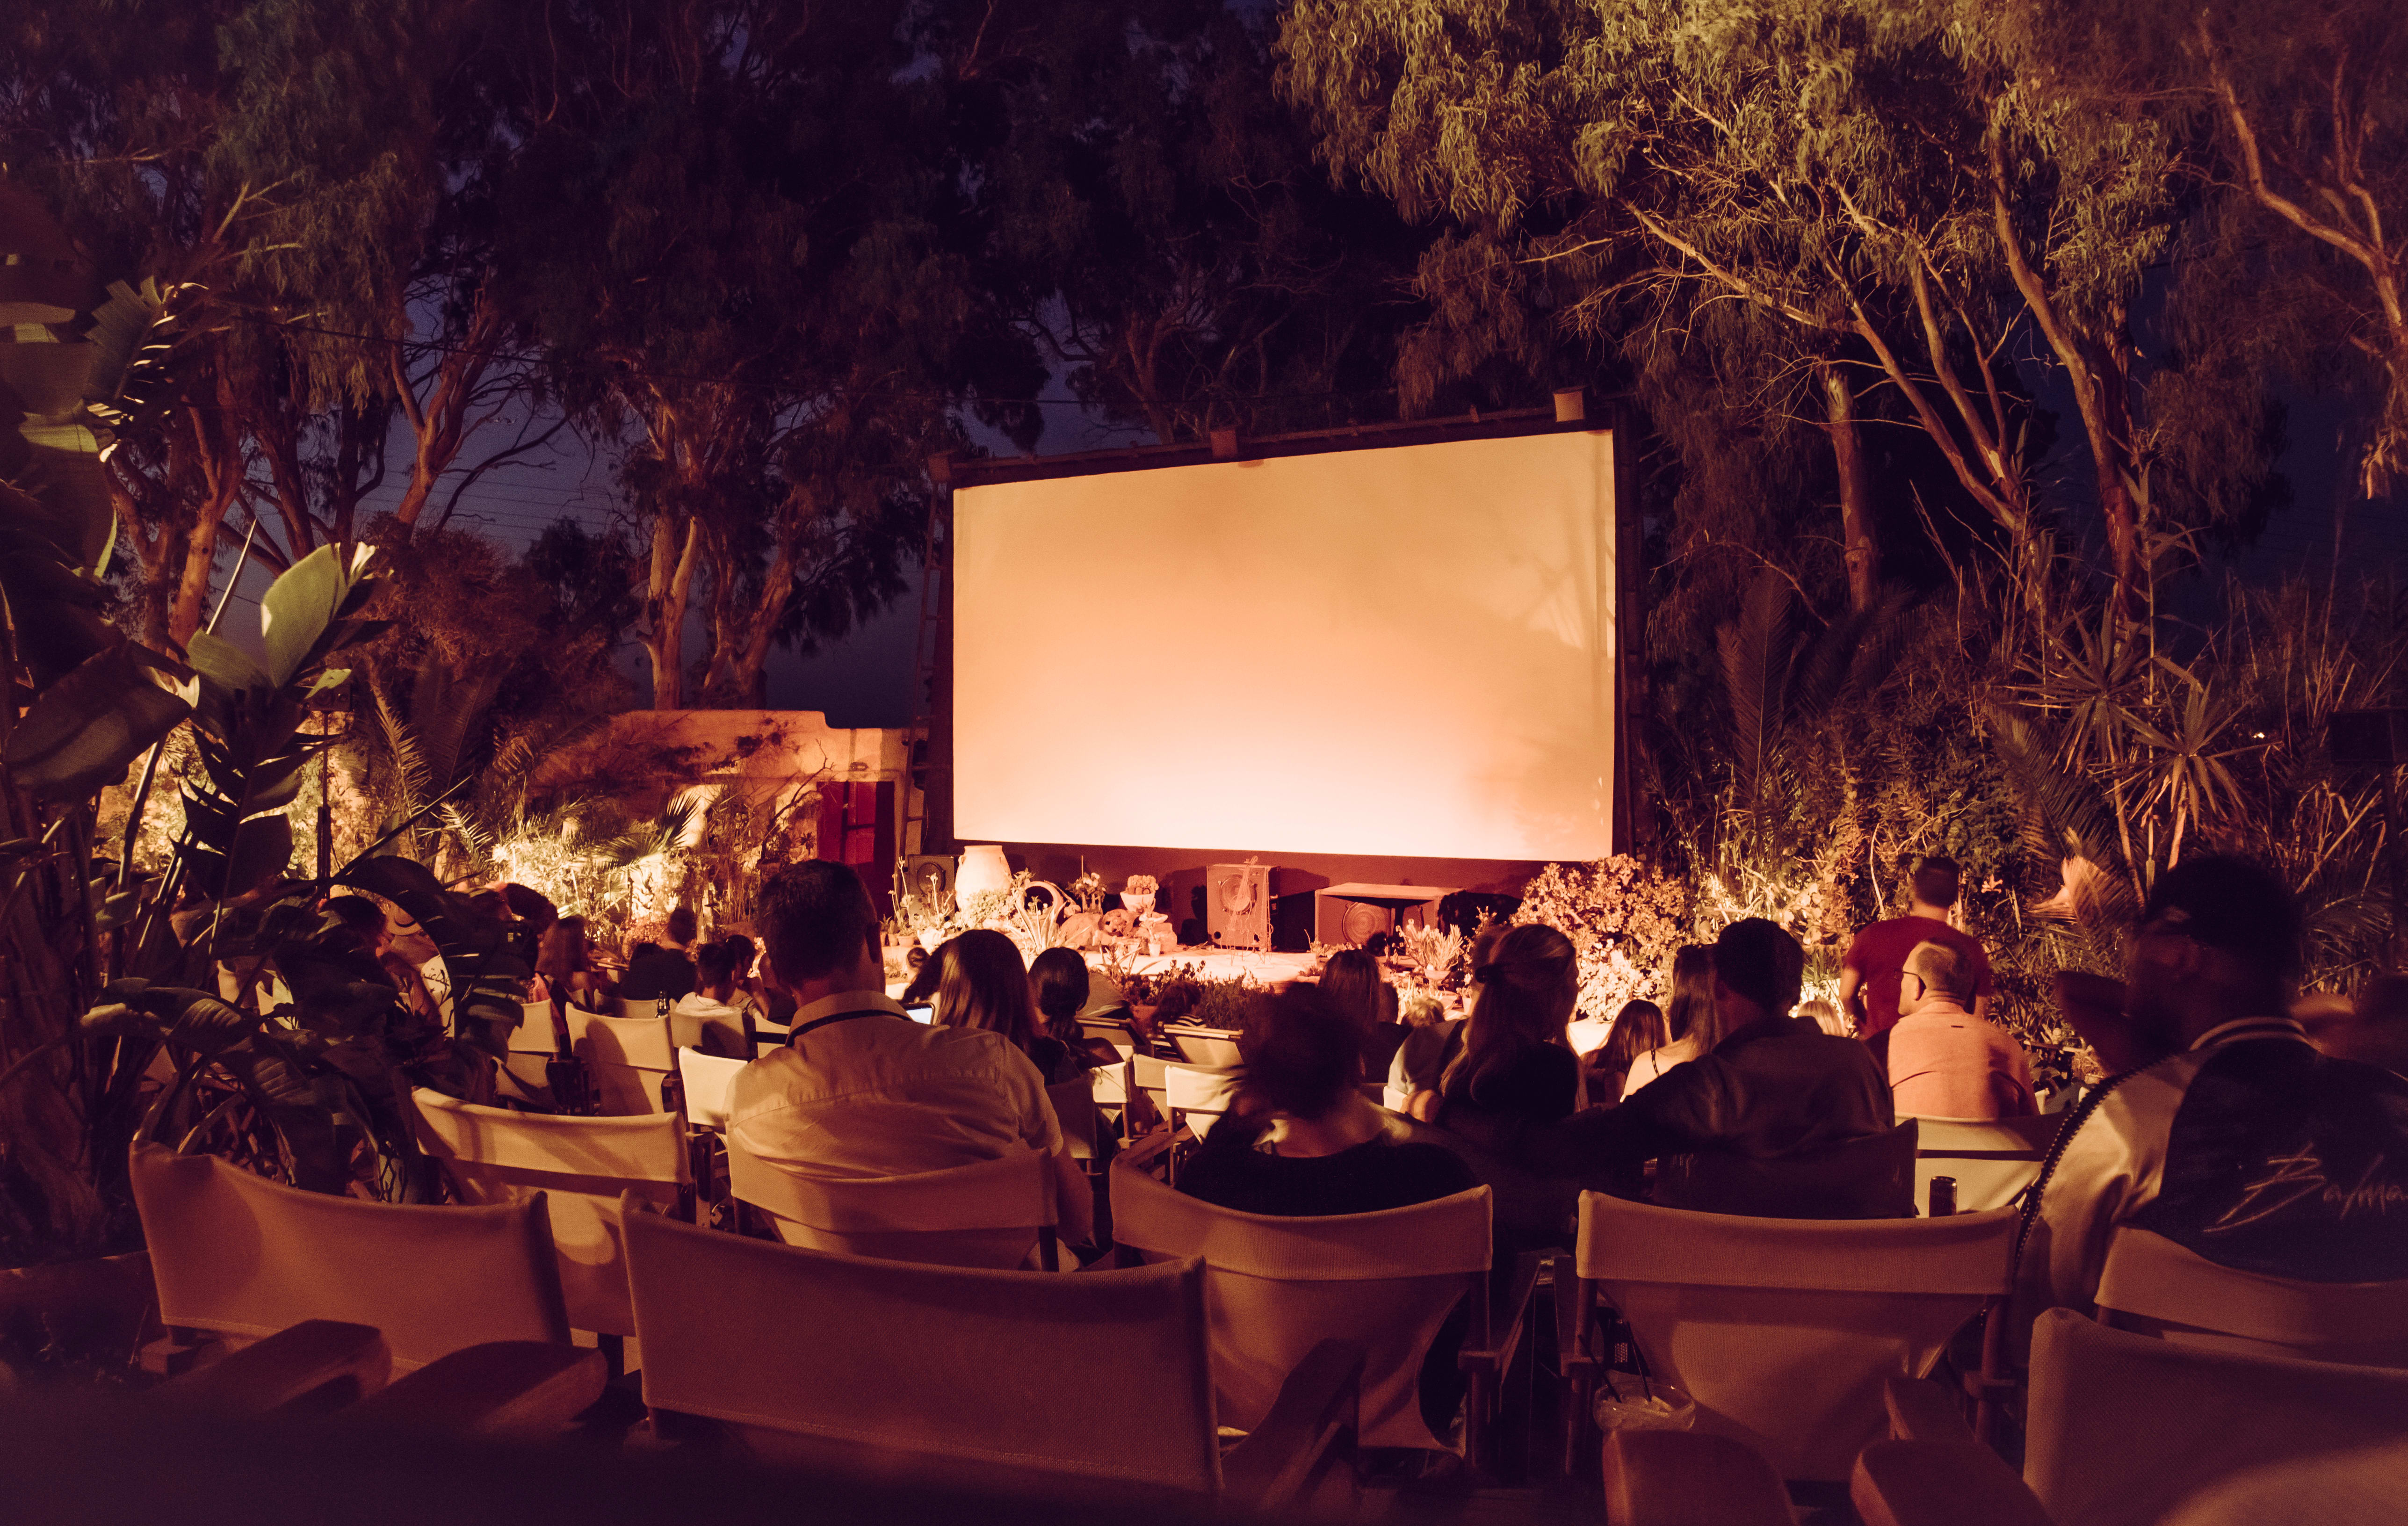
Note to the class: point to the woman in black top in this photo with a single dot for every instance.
(982, 984)
(1300, 1141)
(1509, 1071)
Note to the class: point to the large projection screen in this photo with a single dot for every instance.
(1405, 650)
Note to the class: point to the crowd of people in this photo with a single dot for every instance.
(2256, 1129)
(2222, 1125)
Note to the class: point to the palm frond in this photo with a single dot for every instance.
(409, 763)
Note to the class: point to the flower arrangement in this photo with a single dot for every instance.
(1433, 952)
(1626, 920)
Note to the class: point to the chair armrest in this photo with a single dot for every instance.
(1923, 1410)
(1310, 1424)
(1940, 1483)
(1509, 1305)
(1146, 1155)
(1676, 1478)
(316, 1364)
(501, 1388)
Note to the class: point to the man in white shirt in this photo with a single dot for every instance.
(861, 1090)
(717, 1004)
(2223, 1131)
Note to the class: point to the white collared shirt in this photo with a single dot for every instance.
(870, 1093)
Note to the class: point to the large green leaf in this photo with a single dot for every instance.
(298, 609)
(224, 663)
(198, 1020)
(83, 730)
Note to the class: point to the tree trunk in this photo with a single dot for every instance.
(1863, 552)
(666, 591)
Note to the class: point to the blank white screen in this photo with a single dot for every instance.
(1405, 650)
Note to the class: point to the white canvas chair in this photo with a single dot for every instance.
(1385, 1281)
(579, 1167)
(989, 1214)
(1197, 1096)
(628, 1057)
(1003, 1380)
(1992, 1162)
(2122, 1429)
(1211, 1048)
(2151, 1285)
(1782, 1331)
(532, 1047)
(708, 1079)
(246, 1257)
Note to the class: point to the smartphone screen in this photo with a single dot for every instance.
(924, 1013)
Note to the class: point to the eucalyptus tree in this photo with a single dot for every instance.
(1875, 175)
(737, 231)
(296, 169)
(1156, 220)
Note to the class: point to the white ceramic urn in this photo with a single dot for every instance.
(982, 869)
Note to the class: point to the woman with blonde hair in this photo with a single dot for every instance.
(1688, 1017)
(982, 983)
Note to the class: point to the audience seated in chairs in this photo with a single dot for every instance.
(1943, 1061)
(1637, 1029)
(718, 1003)
(1062, 989)
(563, 968)
(1770, 1092)
(1691, 1026)
(860, 1090)
(2223, 1132)
(1300, 1140)
(982, 984)
(1351, 988)
(662, 970)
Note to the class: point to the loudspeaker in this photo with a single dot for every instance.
(924, 873)
(1238, 905)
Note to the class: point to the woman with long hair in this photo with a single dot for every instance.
(1352, 989)
(1514, 1060)
(982, 983)
(1637, 1028)
(564, 967)
(1063, 988)
(1691, 1026)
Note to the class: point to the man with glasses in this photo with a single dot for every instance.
(2221, 1127)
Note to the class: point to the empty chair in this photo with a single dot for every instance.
(1074, 1108)
(1110, 1088)
(2123, 1429)
(988, 1213)
(1000, 1379)
(579, 1167)
(629, 1058)
(1782, 1331)
(1992, 1162)
(532, 1045)
(1385, 1280)
(246, 1257)
(2151, 1285)
(1197, 1097)
(707, 1079)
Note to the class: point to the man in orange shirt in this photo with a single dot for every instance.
(1943, 1061)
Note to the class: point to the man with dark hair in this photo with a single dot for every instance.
(1775, 1094)
(860, 1090)
(2223, 1130)
(1870, 971)
(717, 1004)
(655, 969)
